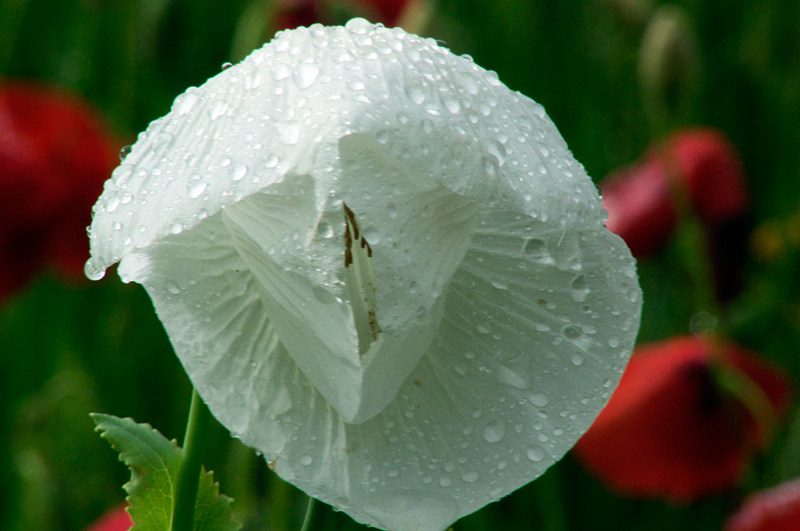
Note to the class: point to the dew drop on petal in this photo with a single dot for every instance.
(324, 230)
(217, 109)
(92, 271)
(124, 152)
(279, 72)
(305, 75)
(539, 399)
(470, 477)
(196, 188)
(494, 431)
(534, 454)
(306, 459)
(572, 332)
(415, 93)
(272, 160)
(238, 172)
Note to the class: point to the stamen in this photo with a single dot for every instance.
(360, 281)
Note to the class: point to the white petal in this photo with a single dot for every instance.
(506, 311)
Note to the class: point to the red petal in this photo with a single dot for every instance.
(713, 174)
(668, 432)
(116, 520)
(639, 206)
(775, 509)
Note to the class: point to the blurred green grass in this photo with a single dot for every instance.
(71, 349)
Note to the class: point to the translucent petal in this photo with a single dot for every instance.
(506, 311)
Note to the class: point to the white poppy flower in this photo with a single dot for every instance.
(380, 267)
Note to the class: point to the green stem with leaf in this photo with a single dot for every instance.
(194, 446)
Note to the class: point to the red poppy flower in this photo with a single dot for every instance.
(697, 166)
(116, 520)
(55, 155)
(775, 509)
(685, 420)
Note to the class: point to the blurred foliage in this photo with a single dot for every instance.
(71, 349)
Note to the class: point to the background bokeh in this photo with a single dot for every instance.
(69, 347)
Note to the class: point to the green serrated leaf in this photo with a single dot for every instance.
(154, 462)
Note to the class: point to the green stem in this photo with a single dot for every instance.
(194, 446)
(309, 514)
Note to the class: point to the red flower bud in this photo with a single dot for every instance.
(685, 420)
(697, 167)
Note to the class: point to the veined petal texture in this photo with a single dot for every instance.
(380, 267)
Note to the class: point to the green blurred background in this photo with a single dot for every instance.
(69, 349)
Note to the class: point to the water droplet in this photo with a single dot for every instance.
(470, 477)
(306, 459)
(226, 66)
(535, 454)
(196, 188)
(613, 342)
(484, 328)
(572, 332)
(238, 172)
(112, 203)
(324, 230)
(494, 431)
(445, 481)
(279, 72)
(539, 399)
(124, 152)
(217, 109)
(93, 271)
(176, 228)
(391, 209)
(490, 164)
(305, 75)
(359, 26)
(535, 248)
(185, 102)
(372, 236)
(173, 288)
(451, 104)
(510, 378)
(415, 93)
(272, 160)
(544, 150)
(577, 360)
(497, 150)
